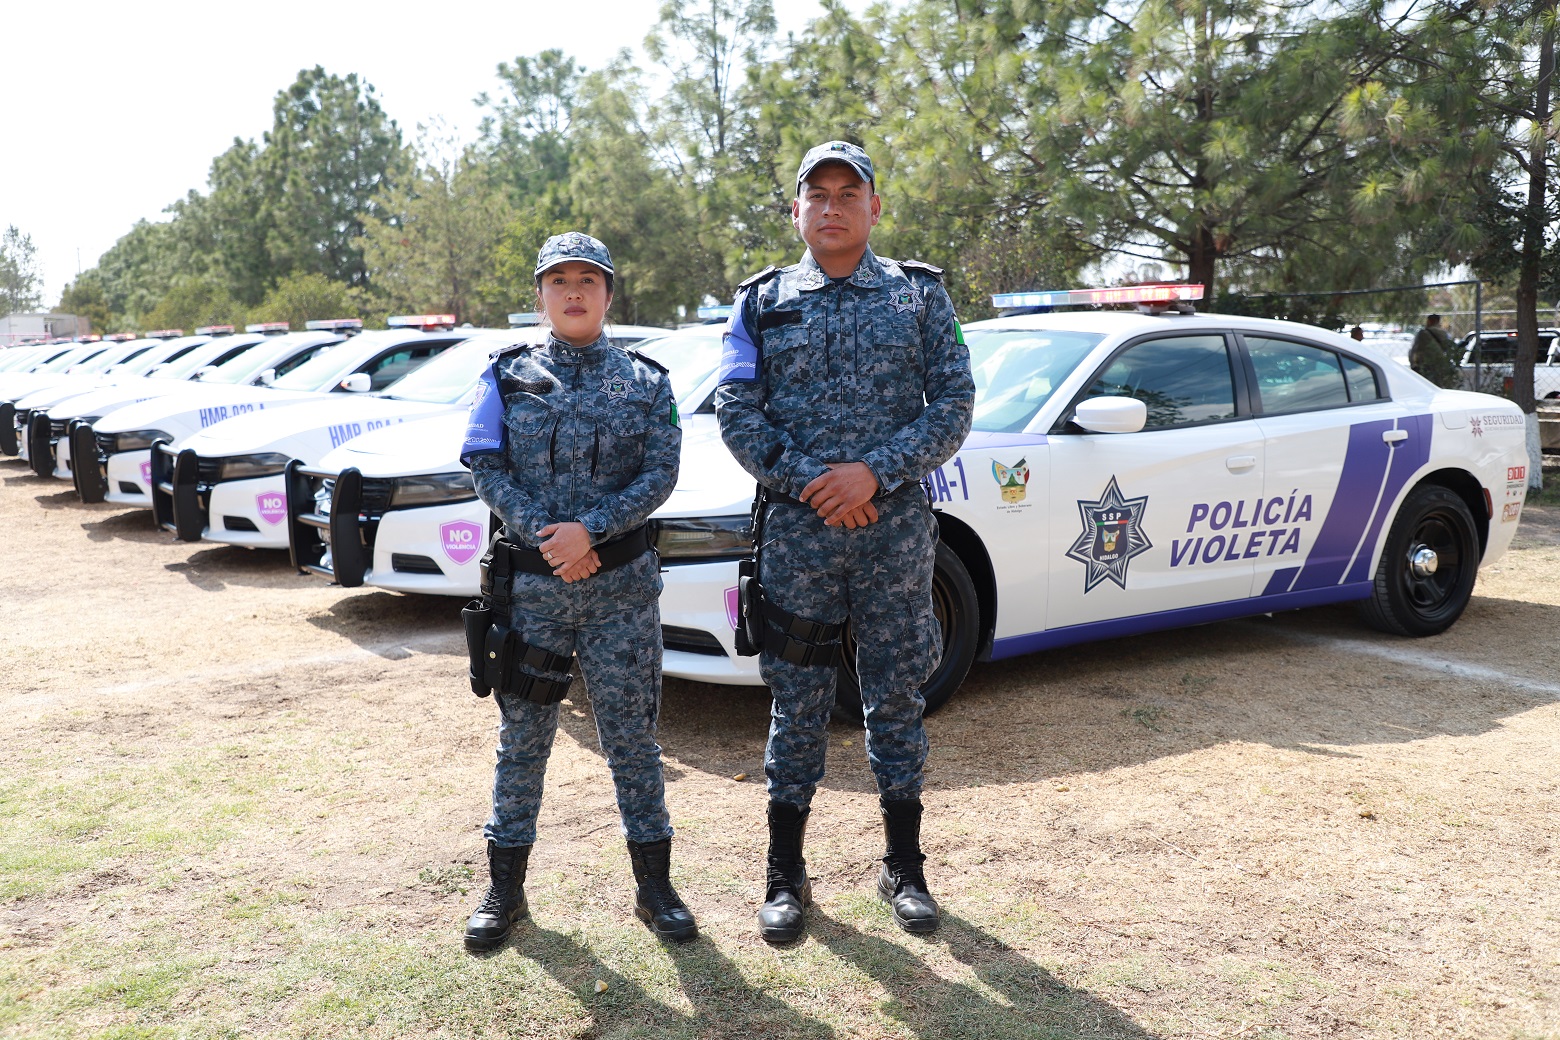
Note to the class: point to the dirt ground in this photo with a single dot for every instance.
(1281, 826)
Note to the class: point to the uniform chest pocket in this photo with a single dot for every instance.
(527, 415)
(793, 359)
(895, 364)
(618, 453)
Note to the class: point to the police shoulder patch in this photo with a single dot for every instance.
(652, 362)
(766, 273)
(916, 265)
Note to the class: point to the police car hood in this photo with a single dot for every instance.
(211, 402)
(20, 384)
(306, 430)
(709, 480)
(417, 446)
(61, 386)
(107, 398)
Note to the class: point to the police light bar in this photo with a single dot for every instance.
(524, 318)
(268, 327)
(1176, 293)
(334, 324)
(420, 321)
(165, 334)
(120, 337)
(214, 330)
(719, 312)
(90, 337)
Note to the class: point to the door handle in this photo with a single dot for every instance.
(1240, 463)
(1395, 436)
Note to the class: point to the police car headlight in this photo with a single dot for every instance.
(245, 467)
(431, 489)
(134, 440)
(703, 537)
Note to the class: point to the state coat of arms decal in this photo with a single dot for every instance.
(1112, 536)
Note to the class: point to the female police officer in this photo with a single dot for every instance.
(573, 443)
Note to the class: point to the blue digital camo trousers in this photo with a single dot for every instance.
(881, 576)
(619, 658)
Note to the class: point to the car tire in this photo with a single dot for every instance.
(958, 612)
(1419, 596)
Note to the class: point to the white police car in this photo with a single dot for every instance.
(120, 439)
(1129, 472)
(225, 482)
(396, 509)
(37, 434)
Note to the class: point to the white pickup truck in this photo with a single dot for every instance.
(1498, 349)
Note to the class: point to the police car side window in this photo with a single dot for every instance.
(308, 355)
(1296, 377)
(393, 366)
(1361, 380)
(1182, 380)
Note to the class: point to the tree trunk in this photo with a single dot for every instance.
(1200, 258)
(1533, 229)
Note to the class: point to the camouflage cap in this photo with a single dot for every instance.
(836, 151)
(574, 245)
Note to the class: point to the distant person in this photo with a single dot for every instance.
(1357, 334)
(1434, 355)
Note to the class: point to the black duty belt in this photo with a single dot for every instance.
(614, 552)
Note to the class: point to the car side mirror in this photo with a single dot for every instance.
(268, 377)
(1111, 414)
(202, 373)
(357, 383)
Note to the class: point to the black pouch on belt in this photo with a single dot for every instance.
(749, 636)
(477, 616)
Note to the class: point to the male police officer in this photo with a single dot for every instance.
(845, 380)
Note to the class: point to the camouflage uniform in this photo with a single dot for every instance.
(591, 435)
(869, 369)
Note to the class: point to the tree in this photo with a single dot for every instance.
(85, 297)
(435, 250)
(298, 298)
(1213, 131)
(525, 132)
(21, 281)
(328, 157)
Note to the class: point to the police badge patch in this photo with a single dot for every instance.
(1112, 536)
(616, 388)
(903, 301)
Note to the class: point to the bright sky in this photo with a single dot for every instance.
(113, 110)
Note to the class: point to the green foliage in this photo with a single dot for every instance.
(327, 158)
(193, 302)
(21, 282)
(433, 248)
(298, 298)
(85, 297)
(524, 136)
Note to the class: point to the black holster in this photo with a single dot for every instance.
(765, 626)
(498, 656)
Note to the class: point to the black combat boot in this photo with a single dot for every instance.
(504, 903)
(901, 882)
(657, 903)
(789, 890)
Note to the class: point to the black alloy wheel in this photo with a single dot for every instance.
(1428, 566)
(958, 614)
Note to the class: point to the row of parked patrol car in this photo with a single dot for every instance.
(1128, 470)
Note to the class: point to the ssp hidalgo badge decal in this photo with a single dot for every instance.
(1112, 535)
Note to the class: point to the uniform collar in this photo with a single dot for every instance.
(867, 275)
(569, 352)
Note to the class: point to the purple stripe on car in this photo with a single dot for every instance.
(1408, 457)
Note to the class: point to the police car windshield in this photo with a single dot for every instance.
(65, 360)
(319, 373)
(186, 365)
(691, 357)
(1017, 370)
(109, 357)
(251, 363)
(446, 378)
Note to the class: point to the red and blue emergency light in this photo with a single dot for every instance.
(421, 321)
(1148, 294)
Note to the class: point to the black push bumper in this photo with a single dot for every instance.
(350, 555)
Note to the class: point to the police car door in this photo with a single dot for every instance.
(1142, 523)
(1338, 457)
